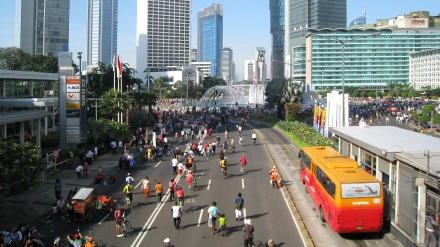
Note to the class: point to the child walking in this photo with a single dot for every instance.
(222, 221)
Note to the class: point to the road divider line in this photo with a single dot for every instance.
(242, 183)
(105, 217)
(137, 185)
(152, 217)
(244, 213)
(157, 164)
(209, 184)
(200, 218)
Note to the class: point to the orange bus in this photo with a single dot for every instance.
(348, 198)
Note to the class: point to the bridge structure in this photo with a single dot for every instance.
(230, 96)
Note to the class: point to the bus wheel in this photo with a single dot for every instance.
(305, 188)
(321, 214)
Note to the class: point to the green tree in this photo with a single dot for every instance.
(100, 80)
(274, 92)
(109, 103)
(19, 164)
(13, 58)
(141, 99)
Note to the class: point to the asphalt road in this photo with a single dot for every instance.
(152, 222)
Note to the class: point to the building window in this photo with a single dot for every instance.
(393, 192)
(368, 163)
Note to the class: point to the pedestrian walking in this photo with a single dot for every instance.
(86, 169)
(248, 235)
(121, 162)
(57, 188)
(172, 186)
(222, 222)
(146, 187)
(159, 190)
(174, 163)
(239, 203)
(430, 230)
(176, 212)
(180, 168)
(212, 216)
(79, 170)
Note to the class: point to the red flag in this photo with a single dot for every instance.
(119, 67)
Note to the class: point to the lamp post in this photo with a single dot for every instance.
(79, 57)
(343, 43)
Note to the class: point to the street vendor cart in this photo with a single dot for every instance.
(83, 205)
(105, 203)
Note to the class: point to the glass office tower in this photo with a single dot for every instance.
(102, 31)
(368, 62)
(305, 14)
(163, 34)
(276, 8)
(210, 37)
(42, 26)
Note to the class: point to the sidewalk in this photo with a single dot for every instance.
(35, 206)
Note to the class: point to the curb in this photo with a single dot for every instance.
(296, 213)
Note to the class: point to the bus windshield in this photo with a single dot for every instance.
(360, 190)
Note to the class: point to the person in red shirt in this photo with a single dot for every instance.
(243, 162)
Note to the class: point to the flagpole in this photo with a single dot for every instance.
(114, 72)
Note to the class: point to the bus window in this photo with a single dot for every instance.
(305, 159)
(327, 183)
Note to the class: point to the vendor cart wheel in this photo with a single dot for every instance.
(89, 215)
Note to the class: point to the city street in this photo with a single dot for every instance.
(152, 222)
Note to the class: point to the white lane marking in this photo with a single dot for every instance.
(150, 221)
(209, 184)
(104, 219)
(200, 218)
(157, 164)
(242, 183)
(244, 213)
(137, 185)
(294, 219)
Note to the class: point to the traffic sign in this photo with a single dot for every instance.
(56, 154)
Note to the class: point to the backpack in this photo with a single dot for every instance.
(239, 203)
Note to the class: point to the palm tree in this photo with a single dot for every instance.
(110, 100)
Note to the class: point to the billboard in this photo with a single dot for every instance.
(75, 109)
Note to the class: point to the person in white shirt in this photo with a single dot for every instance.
(79, 170)
(174, 163)
(176, 212)
(120, 146)
(129, 179)
(180, 168)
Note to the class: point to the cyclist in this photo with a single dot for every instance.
(224, 166)
(129, 179)
(128, 190)
(189, 179)
(180, 194)
(232, 145)
(118, 218)
(243, 162)
(240, 140)
(225, 146)
(254, 138)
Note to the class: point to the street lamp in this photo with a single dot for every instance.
(79, 57)
(343, 42)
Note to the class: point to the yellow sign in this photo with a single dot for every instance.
(72, 106)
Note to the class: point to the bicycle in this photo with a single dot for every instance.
(128, 201)
(125, 225)
(194, 185)
(243, 169)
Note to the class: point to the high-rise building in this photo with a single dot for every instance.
(210, 36)
(42, 26)
(361, 20)
(227, 62)
(163, 34)
(276, 8)
(304, 14)
(193, 55)
(102, 31)
(250, 70)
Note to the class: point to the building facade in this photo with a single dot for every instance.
(210, 37)
(163, 34)
(193, 55)
(227, 64)
(365, 60)
(102, 31)
(305, 14)
(276, 8)
(424, 69)
(42, 26)
(250, 70)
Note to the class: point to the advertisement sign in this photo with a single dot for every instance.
(360, 190)
(73, 97)
(76, 109)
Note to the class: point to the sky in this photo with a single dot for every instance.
(246, 24)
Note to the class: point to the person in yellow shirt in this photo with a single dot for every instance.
(128, 190)
(159, 190)
(222, 221)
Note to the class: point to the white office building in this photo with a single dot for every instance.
(227, 65)
(424, 69)
(102, 31)
(250, 70)
(163, 34)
